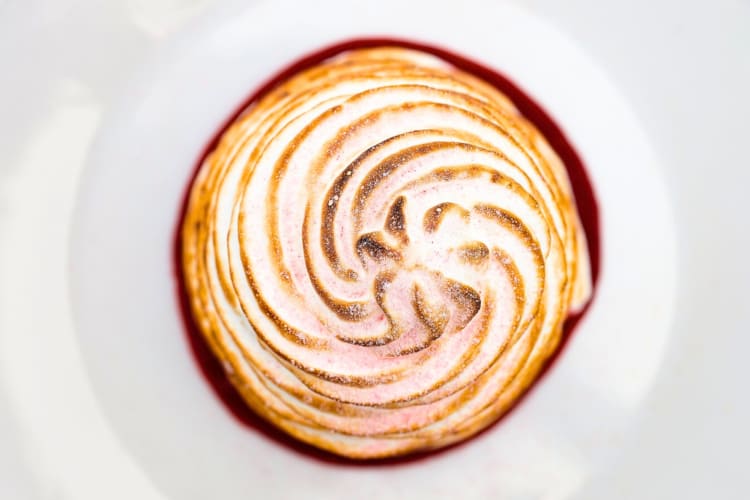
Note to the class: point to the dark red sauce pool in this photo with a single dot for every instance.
(587, 206)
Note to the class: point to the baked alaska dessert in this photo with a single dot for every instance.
(382, 252)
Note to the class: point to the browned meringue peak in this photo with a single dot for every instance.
(382, 252)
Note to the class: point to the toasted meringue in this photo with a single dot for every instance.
(382, 251)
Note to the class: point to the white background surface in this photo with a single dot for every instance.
(684, 67)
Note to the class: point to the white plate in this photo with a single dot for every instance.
(116, 398)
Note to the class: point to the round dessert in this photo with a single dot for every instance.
(382, 252)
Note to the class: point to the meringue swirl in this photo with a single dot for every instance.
(382, 252)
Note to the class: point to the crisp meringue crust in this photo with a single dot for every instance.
(382, 251)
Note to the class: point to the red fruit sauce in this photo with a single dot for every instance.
(212, 369)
